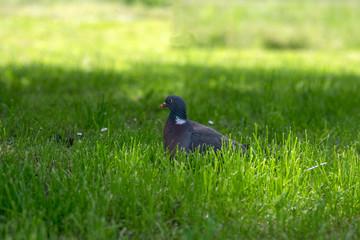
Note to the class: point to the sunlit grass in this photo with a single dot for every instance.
(273, 24)
(81, 152)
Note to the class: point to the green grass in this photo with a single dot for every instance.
(272, 24)
(66, 75)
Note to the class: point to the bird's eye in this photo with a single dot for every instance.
(170, 101)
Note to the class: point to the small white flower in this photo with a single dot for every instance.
(211, 122)
(104, 129)
(79, 134)
(134, 119)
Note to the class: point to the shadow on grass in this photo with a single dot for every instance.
(278, 99)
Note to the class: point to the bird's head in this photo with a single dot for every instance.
(176, 105)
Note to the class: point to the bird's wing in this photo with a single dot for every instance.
(205, 137)
(202, 135)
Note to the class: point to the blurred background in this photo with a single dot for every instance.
(269, 24)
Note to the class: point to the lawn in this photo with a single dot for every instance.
(81, 154)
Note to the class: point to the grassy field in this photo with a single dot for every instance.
(273, 24)
(81, 152)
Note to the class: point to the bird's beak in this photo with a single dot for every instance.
(163, 105)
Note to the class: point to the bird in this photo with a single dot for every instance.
(180, 133)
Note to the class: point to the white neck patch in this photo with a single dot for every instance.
(179, 121)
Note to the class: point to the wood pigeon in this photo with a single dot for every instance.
(182, 133)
